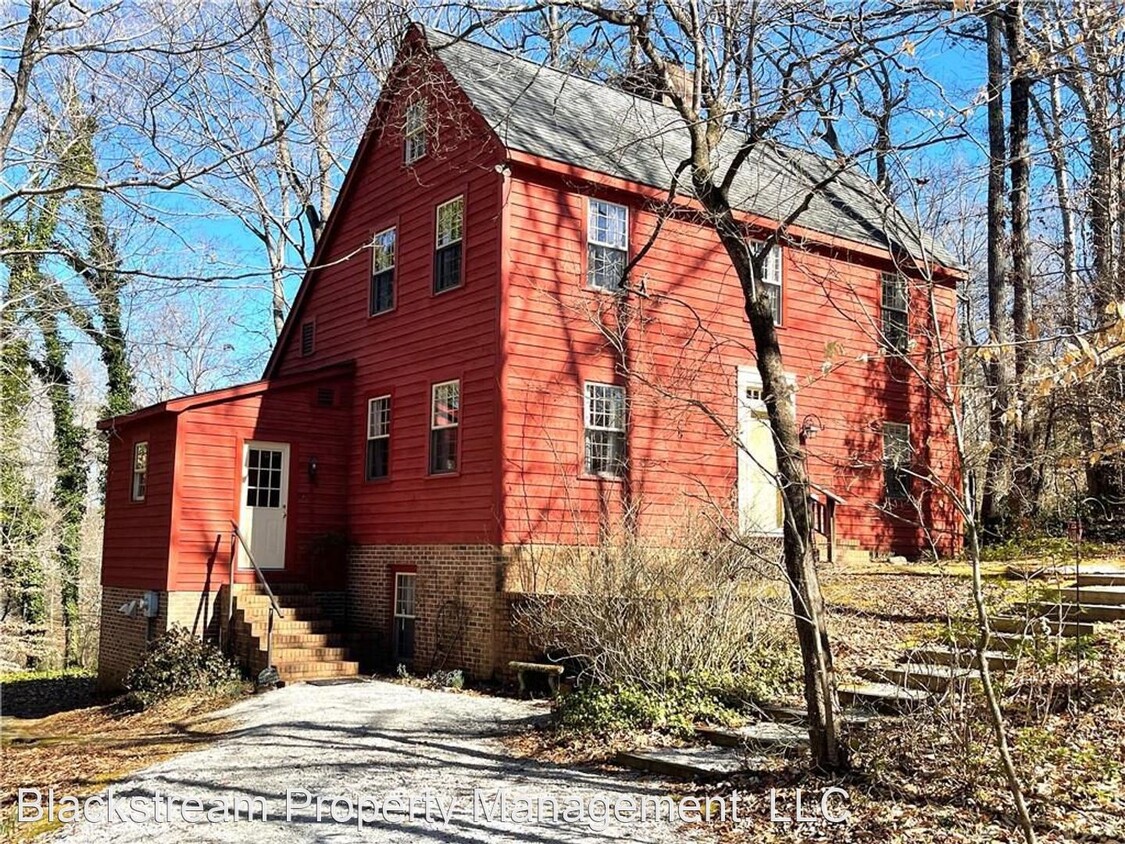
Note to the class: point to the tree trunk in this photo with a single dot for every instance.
(1020, 501)
(995, 374)
(828, 753)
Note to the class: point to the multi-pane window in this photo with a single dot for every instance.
(383, 272)
(308, 337)
(896, 460)
(414, 132)
(607, 244)
(378, 438)
(604, 416)
(445, 417)
(771, 280)
(447, 244)
(895, 333)
(404, 616)
(139, 485)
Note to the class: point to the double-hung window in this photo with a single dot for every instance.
(895, 333)
(607, 244)
(382, 272)
(771, 280)
(447, 244)
(414, 132)
(896, 461)
(404, 616)
(139, 484)
(445, 419)
(378, 438)
(604, 417)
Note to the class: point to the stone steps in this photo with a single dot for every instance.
(1100, 578)
(962, 657)
(881, 697)
(1034, 623)
(926, 678)
(761, 736)
(1013, 642)
(1096, 595)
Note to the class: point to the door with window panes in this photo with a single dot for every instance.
(265, 506)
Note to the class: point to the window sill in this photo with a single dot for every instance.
(390, 310)
(587, 476)
(456, 473)
(458, 286)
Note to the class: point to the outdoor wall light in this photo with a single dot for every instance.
(810, 427)
(312, 468)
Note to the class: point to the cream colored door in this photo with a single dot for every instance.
(759, 497)
(265, 492)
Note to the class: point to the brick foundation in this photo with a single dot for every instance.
(124, 638)
(458, 606)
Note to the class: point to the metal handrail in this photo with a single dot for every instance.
(274, 608)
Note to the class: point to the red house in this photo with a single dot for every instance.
(464, 375)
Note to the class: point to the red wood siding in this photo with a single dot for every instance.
(684, 340)
(426, 338)
(208, 481)
(135, 543)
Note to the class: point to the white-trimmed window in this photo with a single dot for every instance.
(378, 462)
(896, 461)
(414, 132)
(895, 300)
(404, 616)
(445, 419)
(450, 232)
(772, 280)
(604, 422)
(138, 487)
(383, 272)
(607, 244)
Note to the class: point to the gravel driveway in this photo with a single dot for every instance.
(388, 755)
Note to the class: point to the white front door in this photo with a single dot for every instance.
(265, 491)
(760, 508)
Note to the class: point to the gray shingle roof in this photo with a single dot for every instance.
(563, 117)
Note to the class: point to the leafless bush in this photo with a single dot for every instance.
(651, 612)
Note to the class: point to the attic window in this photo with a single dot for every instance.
(308, 337)
(414, 132)
(895, 331)
(771, 280)
(607, 244)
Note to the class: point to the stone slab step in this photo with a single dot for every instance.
(685, 762)
(928, 678)
(884, 698)
(998, 660)
(1100, 595)
(1035, 623)
(1114, 577)
(793, 716)
(763, 735)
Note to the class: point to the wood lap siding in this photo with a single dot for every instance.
(135, 546)
(427, 338)
(208, 482)
(552, 346)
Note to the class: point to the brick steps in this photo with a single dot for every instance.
(306, 645)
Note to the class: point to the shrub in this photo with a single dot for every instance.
(609, 710)
(178, 663)
(454, 679)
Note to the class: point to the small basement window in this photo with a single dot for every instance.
(378, 438)
(414, 132)
(308, 337)
(896, 461)
(447, 244)
(604, 417)
(403, 632)
(139, 486)
(607, 244)
(383, 272)
(445, 419)
(896, 336)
